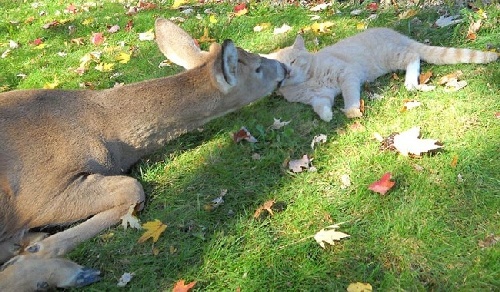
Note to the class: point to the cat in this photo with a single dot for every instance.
(316, 78)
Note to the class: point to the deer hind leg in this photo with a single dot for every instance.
(14, 246)
(38, 274)
(106, 198)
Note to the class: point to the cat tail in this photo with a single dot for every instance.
(444, 55)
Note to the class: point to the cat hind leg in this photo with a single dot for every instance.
(323, 107)
(412, 62)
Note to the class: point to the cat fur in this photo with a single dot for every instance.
(316, 78)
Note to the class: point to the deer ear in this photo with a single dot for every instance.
(299, 43)
(177, 45)
(229, 62)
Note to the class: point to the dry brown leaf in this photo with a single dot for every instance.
(298, 165)
(489, 241)
(181, 287)
(423, 78)
(267, 206)
(454, 161)
(449, 77)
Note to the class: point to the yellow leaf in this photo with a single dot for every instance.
(213, 19)
(153, 230)
(482, 13)
(361, 26)
(205, 38)
(51, 85)
(408, 14)
(178, 3)
(241, 12)
(123, 58)
(88, 21)
(359, 287)
(321, 27)
(40, 46)
(104, 67)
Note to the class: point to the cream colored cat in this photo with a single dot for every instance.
(316, 78)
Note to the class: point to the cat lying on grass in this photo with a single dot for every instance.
(316, 78)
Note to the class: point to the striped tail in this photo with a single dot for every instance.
(444, 55)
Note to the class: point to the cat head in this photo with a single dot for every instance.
(297, 59)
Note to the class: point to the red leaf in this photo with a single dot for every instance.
(372, 6)
(97, 38)
(71, 8)
(239, 7)
(37, 42)
(383, 185)
(181, 287)
(129, 25)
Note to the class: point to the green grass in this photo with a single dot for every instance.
(423, 235)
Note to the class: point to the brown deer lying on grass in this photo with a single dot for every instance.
(63, 153)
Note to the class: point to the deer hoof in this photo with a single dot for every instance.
(87, 276)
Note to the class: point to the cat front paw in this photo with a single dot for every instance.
(353, 112)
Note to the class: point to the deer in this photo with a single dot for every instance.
(65, 154)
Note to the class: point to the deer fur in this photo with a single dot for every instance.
(64, 154)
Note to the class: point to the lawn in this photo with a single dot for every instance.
(434, 230)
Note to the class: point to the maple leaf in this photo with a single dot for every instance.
(153, 230)
(130, 219)
(267, 206)
(443, 21)
(408, 142)
(181, 287)
(51, 85)
(283, 29)
(104, 67)
(298, 165)
(243, 134)
(423, 78)
(71, 9)
(278, 124)
(97, 38)
(123, 58)
(329, 234)
(321, 27)
(124, 279)
(260, 27)
(321, 138)
(383, 185)
(410, 104)
(359, 287)
(240, 9)
(147, 36)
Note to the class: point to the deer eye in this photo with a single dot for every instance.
(258, 70)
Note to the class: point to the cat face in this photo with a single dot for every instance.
(297, 59)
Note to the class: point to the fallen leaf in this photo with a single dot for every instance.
(130, 219)
(345, 181)
(78, 41)
(357, 127)
(359, 287)
(114, 28)
(473, 28)
(216, 202)
(454, 161)
(6, 53)
(147, 36)
(489, 241)
(125, 279)
(373, 6)
(454, 85)
(205, 38)
(408, 14)
(104, 67)
(88, 21)
(13, 45)
(321, 138)
(320, 7)
(410, 104)
(278, 124)
(267, 206)
(408, 142)
(123, 58)
(356, 12)
(283, 29)
(329, 235)
(321, 27)
(181, 287)
(361, 26)
(146, 5)
(130, 24)
(50, 24)
(261, 26)
(243, 134)
(383, 185)
(153, 230)
(212, 19)
(497, 115)
(97, 38)
(443, 21)
(37, 42)
(51, 85)
(240, 9)
(71, 9)
(423, 78)
(179, 3)
(298, 165)
(449, 77)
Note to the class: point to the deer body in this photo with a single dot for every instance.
(63, 154)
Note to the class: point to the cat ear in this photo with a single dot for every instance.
(299, 43)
